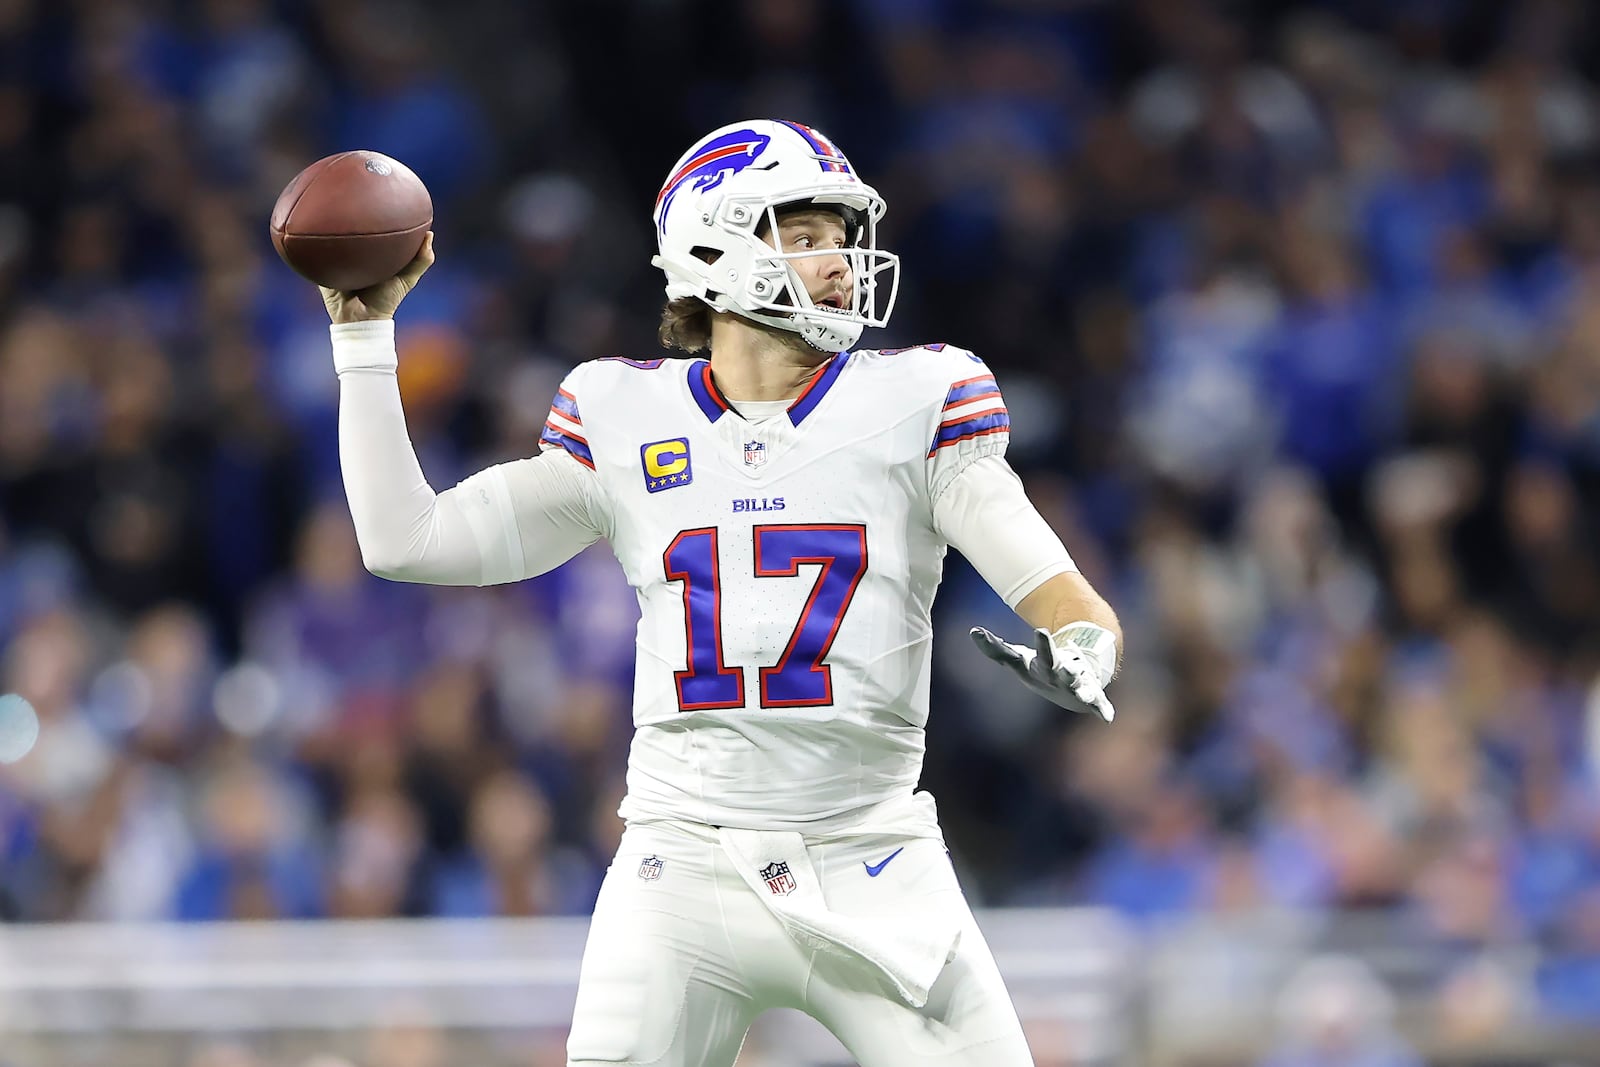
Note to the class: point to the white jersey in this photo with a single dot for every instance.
(785, 569)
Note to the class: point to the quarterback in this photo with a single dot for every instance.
(782, 503)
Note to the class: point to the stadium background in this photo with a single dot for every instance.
(1297, 311)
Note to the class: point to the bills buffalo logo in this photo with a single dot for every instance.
(712, 164)
(779, 880)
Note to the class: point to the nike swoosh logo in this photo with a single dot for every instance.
(874, 871)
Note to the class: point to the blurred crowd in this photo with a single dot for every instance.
(1297, 311)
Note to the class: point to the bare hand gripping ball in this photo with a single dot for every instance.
(351, 220)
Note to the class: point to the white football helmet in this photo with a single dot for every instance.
(716, 199)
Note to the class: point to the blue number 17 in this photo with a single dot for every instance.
(800, 678)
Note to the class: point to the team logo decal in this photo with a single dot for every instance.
(755, 454)
(666, 464)
(650, 868)
(779, 880)
(714, 162)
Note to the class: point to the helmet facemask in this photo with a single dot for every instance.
(774, 291)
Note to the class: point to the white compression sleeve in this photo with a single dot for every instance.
(987, 516)
(502, 524)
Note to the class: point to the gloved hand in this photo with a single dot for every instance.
(1066, 668)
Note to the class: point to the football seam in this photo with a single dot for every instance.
(288, 215)
(340, 236)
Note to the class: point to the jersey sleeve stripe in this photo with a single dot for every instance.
(967, 437)
(966, 398)
(971, 409)
(970, 389)
(551, 427)
(951, 432)
(567, 404)
(579, 448)
(564, 423)
(974, 413)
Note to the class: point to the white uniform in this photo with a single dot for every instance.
(777, 853)
(786, 569)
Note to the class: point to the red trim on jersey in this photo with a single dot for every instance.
(574, 416)
(969, 416)
(711, 387)
(722, 669)
(967, 436)
(955, 387)
(565, 433)
(826, 563)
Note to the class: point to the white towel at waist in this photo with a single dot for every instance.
(910, 950)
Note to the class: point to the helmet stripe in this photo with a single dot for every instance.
(835, 159)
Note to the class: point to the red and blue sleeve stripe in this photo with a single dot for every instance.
(555, 435)
(970, 390)
(973, 408)
(567, 404)
(956, 431)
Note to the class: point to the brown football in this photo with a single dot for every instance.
(351, 219)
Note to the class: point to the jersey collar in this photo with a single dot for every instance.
(714, 405)
(705, 391)
(812, 395)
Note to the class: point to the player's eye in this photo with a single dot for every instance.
(802, 240)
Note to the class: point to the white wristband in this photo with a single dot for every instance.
(1095, 642)
(365, 345)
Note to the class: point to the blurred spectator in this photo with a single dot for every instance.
(1333, 1012)
(1569, 985)
(512, 867)
(253, 859)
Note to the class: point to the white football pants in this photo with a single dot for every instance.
(683, 955)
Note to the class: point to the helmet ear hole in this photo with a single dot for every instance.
(708, 255)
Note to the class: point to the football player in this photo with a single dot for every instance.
(782, 504)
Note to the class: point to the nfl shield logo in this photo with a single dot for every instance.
(779, 880)
(755, 453)
(650, 868)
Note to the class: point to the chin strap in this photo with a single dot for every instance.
(829, 338)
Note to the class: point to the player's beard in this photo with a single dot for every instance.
(777, 341)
